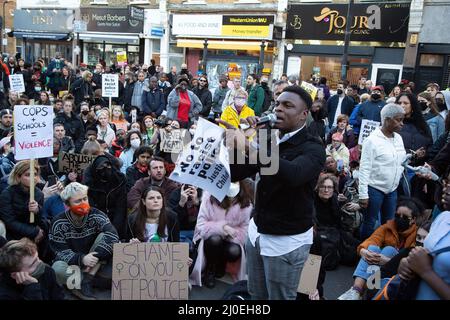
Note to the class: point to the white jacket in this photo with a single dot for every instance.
(381, 163)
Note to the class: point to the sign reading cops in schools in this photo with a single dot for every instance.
(33, 132)
(16, 83)
(367, 127)
(110, 85)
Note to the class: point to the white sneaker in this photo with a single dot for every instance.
(350, 294)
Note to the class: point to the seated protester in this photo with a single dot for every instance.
(66, 142)
(81, 236)
(355, 153)
(384, 244)
(185, 202)
(107, 191)
(133, 141)
(105, 132)
(72, 123)
(44, 99)
(152, 221)
(326, 202)
(24, 276)
(220, 234)
(237, 111)
(318, 126)
(93, 148)
(118, 144)
(149, 128)
(344, 128)
(139, 169)
(53, 205)
(157, 177)
(332, 168)
(118, 118)
(6, 116)
(339, 151)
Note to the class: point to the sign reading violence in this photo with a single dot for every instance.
(16, 83)
(172, 141)
(33, 131)
(367, 127)
(150, 271)
(74, 162)
(204, 162)
(110, 85)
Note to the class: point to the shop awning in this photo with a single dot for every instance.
(41, 35)
(114, 38)
(221, 44)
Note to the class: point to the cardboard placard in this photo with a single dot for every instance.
(74, 162)
(311, 89)
(150, 271)
(33, 131)
(367, 127)
(110, 85)
(16, 83)
(310, 275)
(204, 162)
(172, 141)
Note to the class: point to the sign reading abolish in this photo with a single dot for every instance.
(33, 132)
(110, 85)
(172, 141)
(367, 127)
(387, 22)
(16, 83)
(74, 162)
(204, 162)
(150, 271)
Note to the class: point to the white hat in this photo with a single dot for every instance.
(4, 141)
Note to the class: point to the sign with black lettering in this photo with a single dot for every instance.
(172, 141)
(74, 162)
(110, 85)
(33, 132)
(204, 162)
(16, 83)
(150, 271)
(367, 127)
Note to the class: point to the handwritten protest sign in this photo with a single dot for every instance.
(367, 127)
(150, 271)
(172, 141)
(204, 162)
(33, 131)
(110, 85)
(122, 58)
(311, 89)
(74, 162)
(310, 275)
(16, 83)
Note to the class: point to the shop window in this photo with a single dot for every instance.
(431, 60)
(102, 2)
(156, 46)
(447, 74)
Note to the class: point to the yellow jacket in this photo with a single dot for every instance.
(230, 115)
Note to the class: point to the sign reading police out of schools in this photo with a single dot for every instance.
(33, 132)
(150, 271)
(110, 85)
(367, 127)
(16, 83)
(204, 162)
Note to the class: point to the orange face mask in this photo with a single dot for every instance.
(81, 209)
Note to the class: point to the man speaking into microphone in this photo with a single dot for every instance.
(280, 233)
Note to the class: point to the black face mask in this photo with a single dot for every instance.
(423, 105)
(419, 244)
(376, 96)
(105, 174)
(339, 91)
(85, 112)
(441, 105)
(402, 223)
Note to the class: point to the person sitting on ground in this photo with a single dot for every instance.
(24, 276)
(139, 169)
(81, 236)
(384, 244)
(238, 110)
(339, 151)
(347, 132)
(133, 141)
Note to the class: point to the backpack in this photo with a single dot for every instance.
(267, 100)
(238, 291)
(329, 239)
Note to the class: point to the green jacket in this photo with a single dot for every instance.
(256, 99)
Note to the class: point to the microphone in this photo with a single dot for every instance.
(269, 119)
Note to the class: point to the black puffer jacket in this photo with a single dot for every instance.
(16, 216)
(205, 97)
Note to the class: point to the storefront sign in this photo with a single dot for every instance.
(79, 26)
(43, 20)
(112, 20)
(67, 4)
(216, 26)
(136, 13)
(387, 22)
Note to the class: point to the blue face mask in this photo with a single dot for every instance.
(37, 89)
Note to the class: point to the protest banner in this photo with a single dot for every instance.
(311, 89)
(122, 58)
(16, 83)
(204, 162)
(110, 85)
(74, 162)
(150, 271)
(310, 275)
(172, 141)
(367, 127)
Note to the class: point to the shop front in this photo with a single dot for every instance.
(236, 45)
(110, 31)
(42, 33)
(315, 35)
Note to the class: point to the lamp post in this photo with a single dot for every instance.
(205, 54)
(344, 62)
(4, 24)
(261, 58)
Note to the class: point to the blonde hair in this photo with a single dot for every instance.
(72, 189)
(19, 169)
(121, 117)
(364, 97)
(12, 253)
(86, 74)
(241, 92)
(91, 147)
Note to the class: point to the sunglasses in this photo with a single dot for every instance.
(201, 80)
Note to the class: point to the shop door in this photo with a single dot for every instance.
(234, 67)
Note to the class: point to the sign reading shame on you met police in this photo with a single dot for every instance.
(33, 131)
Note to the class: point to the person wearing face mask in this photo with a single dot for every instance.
(185, 72)
(35, 77)
(220, 234)
(108, 191)
(133, 141)
(431, 114)
(317, 127)
(153, 99)
(238, 110)
(183, 105)
(384, 244)
(370, 110)
(24, 276)
(339, 104)
(139, 168)
(82, 236)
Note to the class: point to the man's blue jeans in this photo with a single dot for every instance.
(381, 208)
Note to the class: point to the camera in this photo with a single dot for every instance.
(161, 123)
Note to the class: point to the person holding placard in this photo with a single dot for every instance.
(82, 236)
